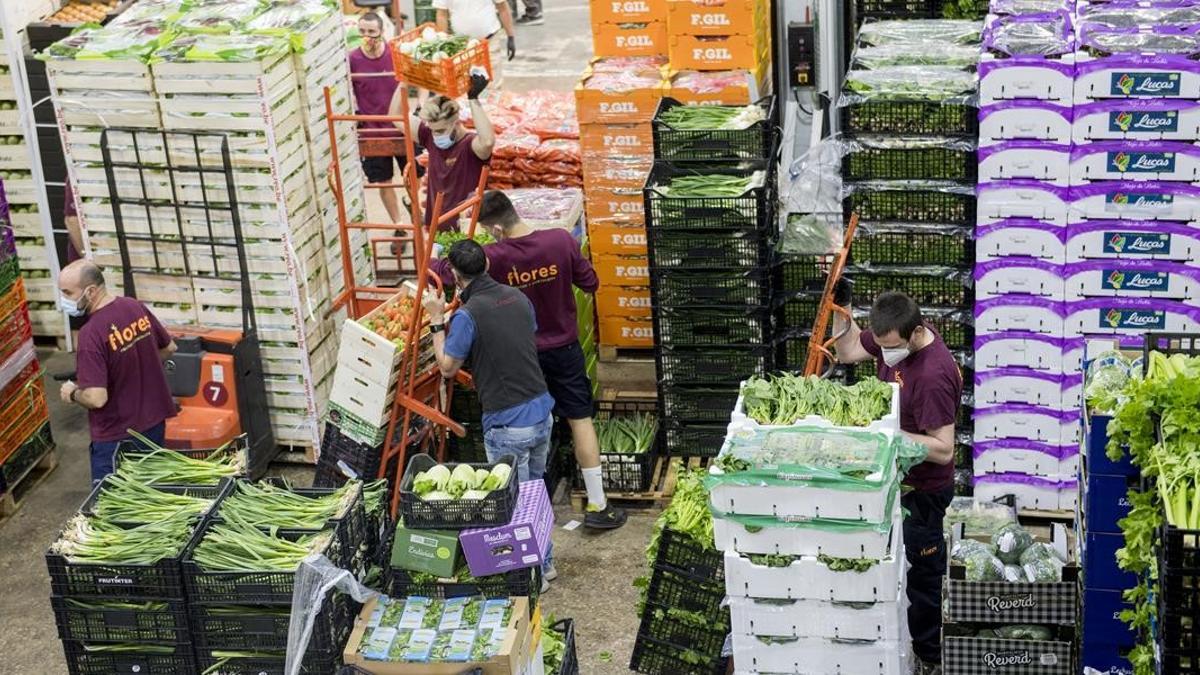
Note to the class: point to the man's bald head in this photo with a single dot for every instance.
(81, 274)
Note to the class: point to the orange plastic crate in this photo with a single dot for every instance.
(617, 240)
(21, 416)
(617, 207)
(12, 299)
(629, 106)
(626, 331)
(647, 38)
(622, 270)
(729, 52)
(450, 77)
(617, 140)
(616, 173)
(623, 301)
(15, 330)
(747, 91)
(626, 11)
(716, 17)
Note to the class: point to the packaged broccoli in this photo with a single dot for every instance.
(986, 633)
(1014, 574)
(1010, 542)
(1021, 631)
(983, 566)
(1041, 551)
(1045, 571)
(963, 548)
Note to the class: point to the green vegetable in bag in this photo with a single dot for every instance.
(1020, 631)
(1014, 574)
(983, 566)
(1043, 571)
(1010, 542)
(1041, 551)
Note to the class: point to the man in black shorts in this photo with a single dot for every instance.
(545, 264)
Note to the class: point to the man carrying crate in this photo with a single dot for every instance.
(910, 353)
(545, 265)
(482, 20)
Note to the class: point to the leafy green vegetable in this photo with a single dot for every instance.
(1021, 631)
(785, 398)
(628, 434)
(927, 83)
(448, 238)
(1010, 542)
(847, 564)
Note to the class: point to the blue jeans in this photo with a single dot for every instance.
(102, 452)
(531, 445)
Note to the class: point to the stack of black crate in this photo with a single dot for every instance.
(711, 274)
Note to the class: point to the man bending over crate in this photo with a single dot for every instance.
(544, 265)
(910, 353)
(120, 379)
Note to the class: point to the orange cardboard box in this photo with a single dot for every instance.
(609, 239)
(598, 101)
(689, 86)
(624, 206)
(627, 331)
(629, 39)
(616, 173)
(623, 301)
(727, 52)
(627, 11)
(617, 140)
(622, 270)
(716, 17)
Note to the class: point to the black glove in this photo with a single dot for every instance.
(512, 47)
(478, 84)
(843, 292)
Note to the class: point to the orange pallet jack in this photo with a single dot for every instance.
(821, 359)
(420, 419)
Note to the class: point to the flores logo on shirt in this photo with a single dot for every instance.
(123, 339)
(537, 275)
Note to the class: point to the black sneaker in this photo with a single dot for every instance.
(528, 19)
(609, 519)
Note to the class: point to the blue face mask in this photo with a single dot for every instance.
(443, 142)
(71, 307)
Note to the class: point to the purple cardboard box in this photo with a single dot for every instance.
(523, 542)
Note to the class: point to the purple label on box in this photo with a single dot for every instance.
(1059, 452)
(523, 542)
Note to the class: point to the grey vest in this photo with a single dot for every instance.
(503, 358)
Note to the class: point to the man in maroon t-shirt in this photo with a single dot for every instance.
(545, 265)
(456, 156)
(911, 354)
(119, 373)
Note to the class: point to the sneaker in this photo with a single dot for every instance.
(609, 519)
(545, 584)
(528, 19)
(550, 573)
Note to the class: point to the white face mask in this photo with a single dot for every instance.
(892, 356)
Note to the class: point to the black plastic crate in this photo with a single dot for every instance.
(898, 9)
(86, 620)
(570, 662)
(913, 244)
(913, 203)
(250, 628)
(800, 312)
(314, 663)
(658, 624)
(696, 404)
(756, 141)
(793, 352)
(213, 492)
(804, 274)
(909, 117)
(625, 472)
(708, 249)
(689, 439)
(713, 365)
(680, 591)
(654, 657)
(675, 287)
(868, 161)
(679, 552)
(525, 582)
(163, 579)
(244, 587)
(753, 209)
(1178, 661)
(460, 514)
(1169, 343)
(712, 326)
(350, 528)
(928, 287)
(81, 661)
(340, 453)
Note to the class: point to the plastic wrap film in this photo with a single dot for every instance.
(1102, 41)
(789, 456)
(813, 202)
(936, 84)
(915, 54)
(875, 33)
(315, 578)
(1030, 35)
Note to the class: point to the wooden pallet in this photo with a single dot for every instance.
(293, 454)
(610, 354)
(12, 500)
(1047, 516)
(662, 485)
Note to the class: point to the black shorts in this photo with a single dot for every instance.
(566, 378)
(383, 169)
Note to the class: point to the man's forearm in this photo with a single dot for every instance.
(940, 452)
(445, 364)
(506, 20)
(483, 125)
(92, 398)
(848, 343)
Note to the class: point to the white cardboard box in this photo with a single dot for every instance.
(805, 500)
(1008, 79)
(815, 655)
(1024, 120)
(1023, 238)
(1133, 240)
(868, 540)
(1134, 161)
(1026, 422)
(1043, 316)
(1023, 385)
(1025, 160)
(1011, 349)
(1119, 200)
(1135, 76)
(1128, 316)
(818, 618)
(1028, 457)
(1133, 278)
(1049, 495)
(1028, 199)
(1018, 276)
(810, 579)
(1137, 119)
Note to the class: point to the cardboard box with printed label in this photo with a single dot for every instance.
(523, 542)
(647, 38)
(626, 331)
(622, 270)
(616, 140)
(626, 11)
(624, 301)
(618, 240)
(710, 52)
(735, 87)
(596, 102)
(613, 173)
(717, 17)
(615, 206)
(431, 551)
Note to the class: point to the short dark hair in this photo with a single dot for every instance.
(497, 209)
(91, 275)
(373, 18)
(467, 257)
(894, 311)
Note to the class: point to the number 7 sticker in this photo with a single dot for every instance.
(215, 394)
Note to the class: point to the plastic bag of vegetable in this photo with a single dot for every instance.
(1014, 574)
(963, 548)
(1010, 542)
(1020, 631)
(1105, 378)
(1041, 551)
(983, 566)
(1045, 571)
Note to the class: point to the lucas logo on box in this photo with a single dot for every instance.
(1165, 120)
(1136, 243)
(1145, 84)
(1141, 162)
(1133, 318)
(1118, 280)
(1139, 199)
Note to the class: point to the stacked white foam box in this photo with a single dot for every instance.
(1026, 399)
(796, 619)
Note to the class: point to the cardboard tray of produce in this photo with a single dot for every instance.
(889, 424)
(872, 622)
(816, 655)
(805, 538)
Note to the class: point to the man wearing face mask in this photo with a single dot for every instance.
(910, 353)
(119, 374)
(456, 156)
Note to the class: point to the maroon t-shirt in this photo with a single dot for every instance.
(544, 264)
(118, 350)
(454, 171)
(930, 394)
(374, 82)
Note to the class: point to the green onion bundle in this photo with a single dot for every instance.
(715, 185)
(95, 540)
(238, 546)
(266, 505)
(128, 648)
(712, 117)
(632, 434)
(122, 500)
(168, 467)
